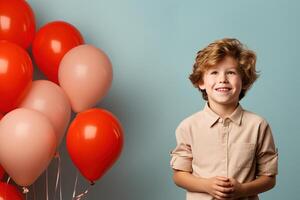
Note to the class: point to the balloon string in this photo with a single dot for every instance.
(60, 191)
(58, 178)
(79, 196)
(34, 194)
(47, 193)
(75, 185)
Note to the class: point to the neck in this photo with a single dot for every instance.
(223, 110)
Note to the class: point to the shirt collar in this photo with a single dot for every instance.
(212, 117)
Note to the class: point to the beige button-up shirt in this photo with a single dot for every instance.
(240, 146)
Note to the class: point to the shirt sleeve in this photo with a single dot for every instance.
(181, 156)
(267, 153)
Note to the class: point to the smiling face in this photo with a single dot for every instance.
(223, 83)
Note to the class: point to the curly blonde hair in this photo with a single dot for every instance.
(215, 52)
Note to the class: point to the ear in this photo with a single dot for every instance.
(201, 86)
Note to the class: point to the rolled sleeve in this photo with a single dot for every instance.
(267, 154)
(181, 156)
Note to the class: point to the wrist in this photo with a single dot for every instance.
(243, 190)
(204, 185)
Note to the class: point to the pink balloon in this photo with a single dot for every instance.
(27, 144)
(85, 74)
(48, 98)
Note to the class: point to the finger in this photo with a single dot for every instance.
(226, 190)
(218, 197)
(222, 178)
(222, 196)
(224, 184)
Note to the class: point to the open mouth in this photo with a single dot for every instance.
(223, 89)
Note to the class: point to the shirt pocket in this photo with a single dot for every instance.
(242, 154)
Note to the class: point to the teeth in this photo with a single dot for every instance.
(223, 89)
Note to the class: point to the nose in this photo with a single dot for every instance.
(223, 78)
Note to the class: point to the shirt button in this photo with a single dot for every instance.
(226, 122)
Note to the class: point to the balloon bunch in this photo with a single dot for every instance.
(36, 113)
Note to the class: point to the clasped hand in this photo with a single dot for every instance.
(223, 188)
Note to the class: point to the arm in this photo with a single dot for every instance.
(259, 185)
(189, 182)
(266, 163)
(218, 187)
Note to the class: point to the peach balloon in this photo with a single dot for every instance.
(48, 98)
(27, 144)
(85, 74)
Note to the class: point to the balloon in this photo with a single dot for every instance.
(94, 142)
(9, 192)
(15, 75)
(85, 74)
(51, 43)
(17, 22)
(27, 144)
(48, 98)
(2, 172)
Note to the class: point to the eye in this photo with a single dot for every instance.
(231, 72)
(213, 72)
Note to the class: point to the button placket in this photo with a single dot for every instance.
(226, 148)
(225, 130)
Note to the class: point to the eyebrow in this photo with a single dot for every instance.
(215, 68)
(235, 68)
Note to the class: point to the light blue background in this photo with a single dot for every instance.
(152, 45)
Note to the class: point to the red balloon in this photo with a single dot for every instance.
(51, 43)
(15, 75)
(2, 172)
(17, 22)
(9, 192)
(94, 142)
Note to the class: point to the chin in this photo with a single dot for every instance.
(225, 102)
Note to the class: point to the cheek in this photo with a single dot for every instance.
(210, 81)
(238, 83)
(207, 82)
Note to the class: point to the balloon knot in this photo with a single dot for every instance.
(25, 190)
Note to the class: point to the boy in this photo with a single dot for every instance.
(224, 152)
